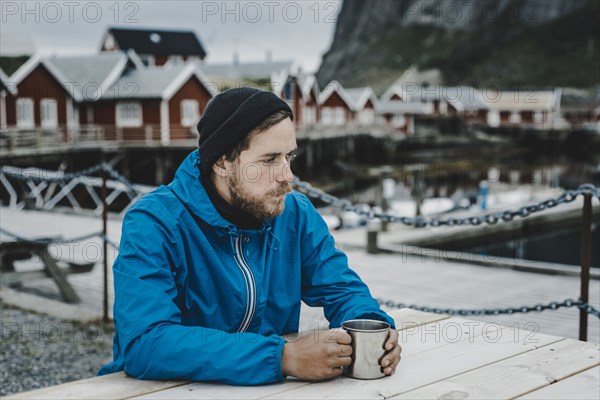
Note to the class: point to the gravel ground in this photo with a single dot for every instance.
(38, 351)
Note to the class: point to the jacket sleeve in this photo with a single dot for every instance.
(327, 280)
(149, 331)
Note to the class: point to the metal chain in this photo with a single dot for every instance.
(497, 311)
(588, 308)
(361, 209)
(419, 222)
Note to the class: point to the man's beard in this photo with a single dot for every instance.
(260, 207)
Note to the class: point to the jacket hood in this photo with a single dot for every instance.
(187, 186)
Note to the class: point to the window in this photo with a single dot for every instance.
(129, 114)
(176, 60)
(309, 115)
(190, 112)
(538, 117)
(493, 118)
(340, 116)
(25, 113)
(514, 117)
(398, 121)
(49, 114)
(366, 116)
(327, 116)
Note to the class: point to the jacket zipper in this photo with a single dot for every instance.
(250, 284)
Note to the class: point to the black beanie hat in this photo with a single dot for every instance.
(229, 117)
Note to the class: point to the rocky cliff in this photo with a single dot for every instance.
(508, 43)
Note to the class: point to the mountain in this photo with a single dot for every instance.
(483, 43)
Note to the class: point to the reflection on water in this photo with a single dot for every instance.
(560, 247)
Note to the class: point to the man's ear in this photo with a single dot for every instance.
(222, 167)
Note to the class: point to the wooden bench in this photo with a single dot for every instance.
(442, 357)
(13, 251)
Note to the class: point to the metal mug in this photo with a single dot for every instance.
(368, 341)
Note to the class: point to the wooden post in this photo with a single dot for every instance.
(373, 228)
(104, 248)
(12, 139)
(586, 257)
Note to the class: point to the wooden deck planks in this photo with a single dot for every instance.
(440, 362)
(583, 386)
(112, 386)
(404, 319)
(517, 375)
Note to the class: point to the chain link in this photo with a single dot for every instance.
(497, 311)
(344, 204)
(419, 222)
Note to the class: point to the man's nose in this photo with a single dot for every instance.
(285, 173)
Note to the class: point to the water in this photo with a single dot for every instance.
(563, 247)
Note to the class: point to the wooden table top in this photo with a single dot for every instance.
(442, 357)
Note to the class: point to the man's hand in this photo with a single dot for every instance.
(391, 357)
(318, 356)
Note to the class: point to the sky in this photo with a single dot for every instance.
(297, 30)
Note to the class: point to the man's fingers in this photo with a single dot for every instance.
(345, 350)
(343, 361)
(342, 337)
(391, 359)
(392, 340)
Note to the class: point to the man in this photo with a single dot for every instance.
(213, 267)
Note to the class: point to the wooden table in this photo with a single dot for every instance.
(19, 250)
(443, 357)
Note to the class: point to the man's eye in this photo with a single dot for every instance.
(270, 161)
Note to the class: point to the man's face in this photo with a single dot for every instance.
(262, 172)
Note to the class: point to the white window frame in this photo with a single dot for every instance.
(493, 118)
(49, 113)
(339, 117)
(366, 116)
(30, 121)
(514, 117)
(327, 116)
(309, 114)
(129, 121)
(176, 60)
(190, 112)
(398, 121)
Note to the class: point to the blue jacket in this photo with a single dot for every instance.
(198, 299)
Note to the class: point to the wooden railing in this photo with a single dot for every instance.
(14, 139)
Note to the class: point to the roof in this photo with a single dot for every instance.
(394, 89)
(251, 70)
(401, 107)
(88, 77)
(307, 84)
(360, 96)
(85, 78)
(155, 83)
(464, 98)
(335, 87)
(158, 42)
(526, 100)
(6, 83)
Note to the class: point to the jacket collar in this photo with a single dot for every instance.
(187, 185)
